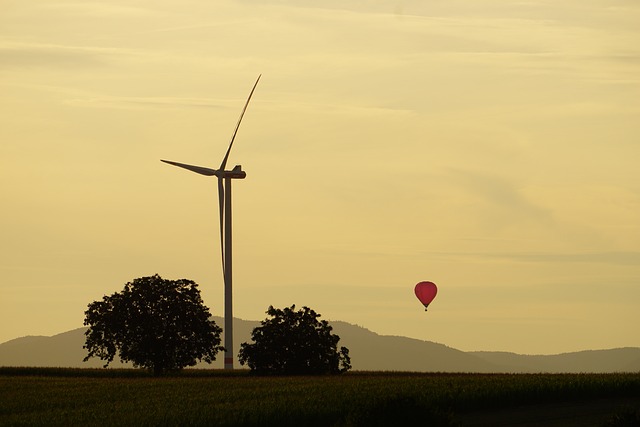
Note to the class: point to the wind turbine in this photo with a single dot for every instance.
(224, 201)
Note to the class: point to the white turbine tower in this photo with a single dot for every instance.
(224, 201)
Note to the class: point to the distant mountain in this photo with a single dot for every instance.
(598, 361)
(369, 351)
(372, 352)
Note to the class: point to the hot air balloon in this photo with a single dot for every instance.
(426, 292)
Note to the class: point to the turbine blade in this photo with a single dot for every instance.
(226, 156)
(196, 169)
(221, 204)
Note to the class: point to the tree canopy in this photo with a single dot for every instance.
(158, 324)
(294, 342)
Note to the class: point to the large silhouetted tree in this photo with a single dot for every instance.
(154, 323)
(294, 342)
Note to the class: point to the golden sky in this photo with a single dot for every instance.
(491, 147)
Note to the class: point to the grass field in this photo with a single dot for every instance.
(38, 396)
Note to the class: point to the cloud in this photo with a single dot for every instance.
(619, 258)
(631, 258)
(35, 55)
(131, 102)
(95, 9)
(497, 199)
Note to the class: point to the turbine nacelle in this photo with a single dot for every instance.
(235, 173)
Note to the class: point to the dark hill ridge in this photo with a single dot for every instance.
(368, 350)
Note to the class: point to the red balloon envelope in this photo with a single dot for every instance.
(426, 292)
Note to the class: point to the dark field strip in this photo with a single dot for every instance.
(39, 396)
